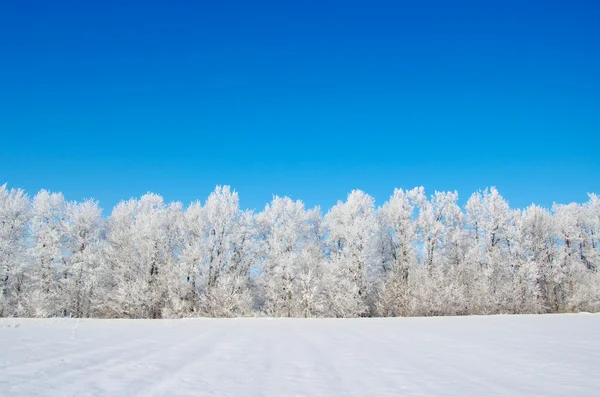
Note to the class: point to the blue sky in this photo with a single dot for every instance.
(308, 99)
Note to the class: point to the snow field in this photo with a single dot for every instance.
(527, 355)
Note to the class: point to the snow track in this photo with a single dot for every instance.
(553, 355)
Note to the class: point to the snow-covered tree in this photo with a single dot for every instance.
(590, 247)
(291, 256)
(399, 241)
(536, 248)
(415, 255)
(353, 231)
(494, 247)
(193, 255)
(120, 281)
(84, 241)
(438, 226)
(576, 267)
(44, 290)
(15, 214)
(142, 247)
(225, 252)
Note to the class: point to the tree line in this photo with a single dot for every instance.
(416, 255)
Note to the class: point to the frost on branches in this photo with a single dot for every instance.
(416, 255)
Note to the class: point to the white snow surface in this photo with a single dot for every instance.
(526, 355)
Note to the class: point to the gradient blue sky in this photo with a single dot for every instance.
(309, 99)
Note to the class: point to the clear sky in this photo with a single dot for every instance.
(309, 99)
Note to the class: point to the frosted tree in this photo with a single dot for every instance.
(225, 256)
(475, 271)
(15, 214)
(416, 255)
(536, 248)
(438, 226)
(158, 234)
(590, 253)
(494, 233)
(575, 276)
(312, 277)
(352, 229)
(48, 271)
(193, 255)
(290, 253)
(590, 247)
(143, 238)
(84, 241)
(280, 228)
(121, 282)
(399, 241)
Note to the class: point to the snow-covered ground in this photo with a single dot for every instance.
(550, 355)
